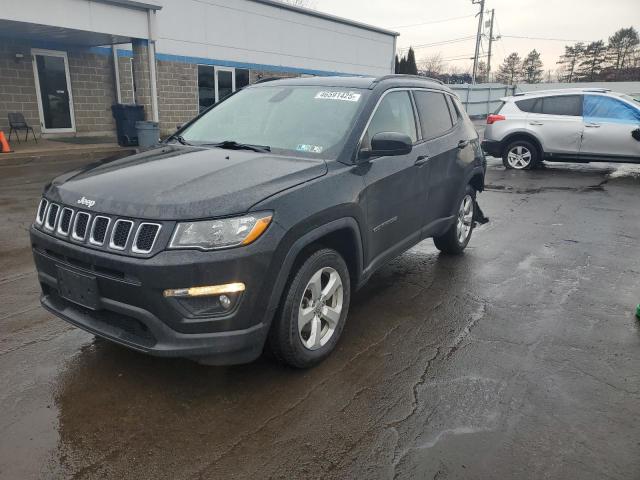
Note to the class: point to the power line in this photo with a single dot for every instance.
(544, 38)
(440, 43)
(444, 20)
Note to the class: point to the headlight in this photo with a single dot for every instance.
(223, 233)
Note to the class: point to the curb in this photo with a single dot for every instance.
(26, 158)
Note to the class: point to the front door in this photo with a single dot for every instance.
(55, 102)
(608, 124)
(394, 189)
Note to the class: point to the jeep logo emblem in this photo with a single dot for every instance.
(87, 202)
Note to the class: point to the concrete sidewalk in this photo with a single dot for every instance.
(51, 150)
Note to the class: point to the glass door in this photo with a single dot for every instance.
(55, 103)
(225, 82)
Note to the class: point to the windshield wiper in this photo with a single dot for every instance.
(231, 145)
(180, 140)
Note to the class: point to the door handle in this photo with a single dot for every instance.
(536, 123)
(592, 125)
(422, 160)
(463, 144)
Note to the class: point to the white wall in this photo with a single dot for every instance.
(78, 15)
(248, 32)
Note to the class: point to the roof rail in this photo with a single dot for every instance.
(405, 75)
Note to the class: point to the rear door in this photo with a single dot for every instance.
(608, 125)
(441, 135)
(393, 186)
(556, 121)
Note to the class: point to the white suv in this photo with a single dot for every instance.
(571, 125)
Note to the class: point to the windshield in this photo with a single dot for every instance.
(312, 121)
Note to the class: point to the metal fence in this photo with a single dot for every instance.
(484, 98)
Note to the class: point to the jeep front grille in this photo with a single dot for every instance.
(120, 234)
(81, 226)
(98, 231)
(42, 209)
(65, 221)
(145, 237)
(52, 216)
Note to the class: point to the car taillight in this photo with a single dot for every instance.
(493, 118)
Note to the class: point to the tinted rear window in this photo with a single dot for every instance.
(570, 105)
(435, 117)
(527, 105)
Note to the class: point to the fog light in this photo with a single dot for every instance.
(225, 302)
(206, 291)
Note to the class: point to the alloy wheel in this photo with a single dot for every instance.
(465, 219)
(320, 308)
(519, 157)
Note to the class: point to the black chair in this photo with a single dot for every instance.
(17, 123)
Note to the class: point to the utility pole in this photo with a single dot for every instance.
(493, 13)
(478, 38)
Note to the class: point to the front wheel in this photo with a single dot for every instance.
(457, 237)
(521, 155)
(313, 313)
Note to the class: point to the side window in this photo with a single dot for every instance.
(455, 114)
(394, 114)
(607, 108)
(527, 105)
(568, 105)
(433, 110)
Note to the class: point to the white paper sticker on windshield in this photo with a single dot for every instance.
(310, 148)
(344, 96)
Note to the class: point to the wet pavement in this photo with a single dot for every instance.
(519, 359)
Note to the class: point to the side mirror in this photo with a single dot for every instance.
(388, 144)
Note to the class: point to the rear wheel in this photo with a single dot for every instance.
(457, 237)
(312, 316)
(521, 155)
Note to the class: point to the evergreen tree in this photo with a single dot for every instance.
(412, 67)
(622, 45)
(397, 70)
(595, 55)
(571, 60)
(509, 71)
(532, 68)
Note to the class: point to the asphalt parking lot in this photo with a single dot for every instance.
(519, 359)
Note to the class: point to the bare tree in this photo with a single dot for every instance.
(432, 65)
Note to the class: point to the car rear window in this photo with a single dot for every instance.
(527, 105)
(435, 117)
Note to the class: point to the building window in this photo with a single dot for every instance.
(206, 87)
(242, 78)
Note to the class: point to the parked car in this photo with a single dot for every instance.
(573, 125)
(256, 221)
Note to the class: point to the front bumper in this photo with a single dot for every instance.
(133, 312)
(492, 148)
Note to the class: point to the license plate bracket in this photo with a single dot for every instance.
(78, 288)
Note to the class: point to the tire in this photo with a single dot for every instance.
(457, 237)
(521, 155)
(308, 324)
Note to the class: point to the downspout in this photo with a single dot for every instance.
(116, 73)
(151, 49)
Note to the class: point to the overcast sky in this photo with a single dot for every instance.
(585, 20)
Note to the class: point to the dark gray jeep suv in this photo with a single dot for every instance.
(255, 222)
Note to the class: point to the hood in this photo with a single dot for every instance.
(180, 183)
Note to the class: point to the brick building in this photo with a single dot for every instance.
(64, 67)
